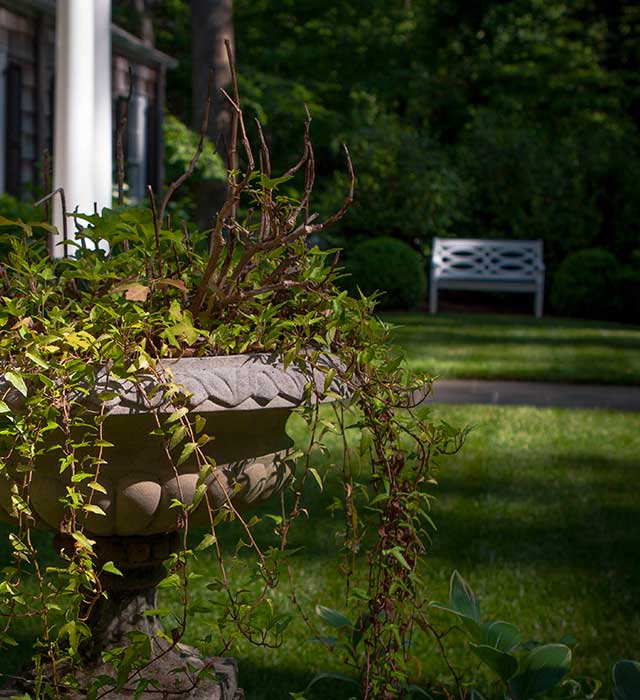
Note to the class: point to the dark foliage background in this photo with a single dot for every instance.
(498, 118)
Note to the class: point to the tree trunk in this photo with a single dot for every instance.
(211, 25)
(145, 21)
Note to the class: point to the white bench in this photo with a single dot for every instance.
(487, 265)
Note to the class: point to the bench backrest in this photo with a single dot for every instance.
(488, 259)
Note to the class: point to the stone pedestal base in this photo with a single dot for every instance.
(173, 672)
(225, 687)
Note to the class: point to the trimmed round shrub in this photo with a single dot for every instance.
(629, 294)
(389, 266)
(586, 284)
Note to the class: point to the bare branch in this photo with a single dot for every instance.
(232, 155)
(243, 131)
(224, 270)
(196, 156)
(309, 178)
(63, 204)
(187, 241)
(265, 150)
(307, 137)
(122, 125)
(156, 227)
(348, 199)
(232, 198)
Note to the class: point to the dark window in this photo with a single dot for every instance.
(13, 150)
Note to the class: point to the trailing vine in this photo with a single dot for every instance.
(251, 283)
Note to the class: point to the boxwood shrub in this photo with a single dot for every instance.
(389, 266)
(586, 285)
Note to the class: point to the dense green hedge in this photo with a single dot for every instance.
(592, 283)
(389, 266)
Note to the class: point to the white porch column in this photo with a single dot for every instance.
(82, 121)
(103, 134)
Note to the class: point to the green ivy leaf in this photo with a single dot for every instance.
(16, 381)
(111, 568)
(207, 541)
(178, 414)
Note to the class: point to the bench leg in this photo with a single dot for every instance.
(539, 300)
(433, 297)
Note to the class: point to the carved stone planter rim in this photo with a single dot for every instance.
(211, 383)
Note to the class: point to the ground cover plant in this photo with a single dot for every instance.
(519, 347)
(540, 514)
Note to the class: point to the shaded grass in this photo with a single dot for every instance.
(540, 512)
(519, 347)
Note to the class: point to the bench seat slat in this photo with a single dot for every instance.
(487, 265)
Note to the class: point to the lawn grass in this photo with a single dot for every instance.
(540, 512)
(519, 347)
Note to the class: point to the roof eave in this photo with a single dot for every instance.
(123, 41)
(132, 47)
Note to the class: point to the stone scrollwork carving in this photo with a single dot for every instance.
(245, 400)
(218, 383)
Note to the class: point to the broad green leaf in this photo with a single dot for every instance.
(500, 635)
(207, 541)
(626, 680)
(187, 450)
(178, 436)
(501, 663)
(472, 626)
(35, 357)
(111, 568)
(462, 598)
(332, 617)
(75, 631)
(328, 379)
(199, 425)
(177, 415)
(16, 381)
(329, 642)
(333, 677)
(317, 477)
(97, 486)
(82, 541)
(171, 581)
(92, 508)
(540, 670)
(400, 557)
(199, 495)
(81, 476)
(270, 183)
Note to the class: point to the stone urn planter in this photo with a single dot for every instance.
(245, 401)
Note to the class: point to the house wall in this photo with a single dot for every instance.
(27, 47)
(27, 43)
